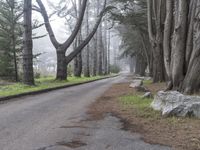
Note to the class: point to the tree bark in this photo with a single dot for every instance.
(179, 44)
(86, 69)
(61, 65)
(167, 37)
(155, 14)
(28, 76)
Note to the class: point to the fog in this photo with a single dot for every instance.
(62, 32)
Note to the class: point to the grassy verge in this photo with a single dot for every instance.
(141, 106)
(41, 84)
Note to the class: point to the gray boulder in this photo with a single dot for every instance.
(173, 103)
(136, 83)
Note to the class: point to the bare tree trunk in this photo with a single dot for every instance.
(61, 65)
(109, 52)
(78, 58)
(28, 77)
(94, 53)
(191, 82)
(86, 69)
(167, 37)
(12, 4)
(179, 44)
(132, 64)
(99, 45)
(106, 48)
(155, 10)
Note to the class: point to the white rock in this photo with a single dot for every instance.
(176, 104)
(147, 95)
(136, 83)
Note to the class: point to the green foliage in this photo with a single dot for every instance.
(132, 17)
(114, 69)
(10, 35)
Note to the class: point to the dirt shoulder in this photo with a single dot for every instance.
(179, 133)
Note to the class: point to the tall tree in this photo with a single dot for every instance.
(78, 58)
(62, 60)
(156, 11)
(86, 66)
(180, 42)
(28, 76)
(11, 33)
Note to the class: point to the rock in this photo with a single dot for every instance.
(136, 83)
(142, 89)
(143, 78)
(173, 103)
(147, 95)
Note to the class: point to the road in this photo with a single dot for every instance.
(42, 122)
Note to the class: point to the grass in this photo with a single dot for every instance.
(147, 82)
(140, 105)
(41, 83)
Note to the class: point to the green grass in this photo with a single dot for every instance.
(147, 82)
(141, 106)
(42, 83)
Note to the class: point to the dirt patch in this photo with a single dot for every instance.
(179, 133)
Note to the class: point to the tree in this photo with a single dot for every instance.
(86, 65)
(28, 76)
(156, 11)
(131, 15)
(62, 60)
(180, 41)
(78, 59)
(11, 33)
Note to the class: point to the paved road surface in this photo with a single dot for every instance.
(42, 122)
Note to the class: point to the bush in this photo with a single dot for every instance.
(114, 69)
(37, 75)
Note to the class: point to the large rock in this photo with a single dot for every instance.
(136, 83)
(173, 103)
(142, 78)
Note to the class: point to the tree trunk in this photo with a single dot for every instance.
(94, 66)
(61, 65)
(167, 37)
(106, 49)
(78, 65)
(99, 44)
(155, 21)
(86, 69)
(28, 76)
(179, 44)
(109, 52)
(191, 82)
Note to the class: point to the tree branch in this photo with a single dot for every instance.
(47, 24)
(89, 37)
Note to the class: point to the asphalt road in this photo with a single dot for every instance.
(42, 122)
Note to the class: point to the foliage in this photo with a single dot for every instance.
(114, 69)
(10, 36)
